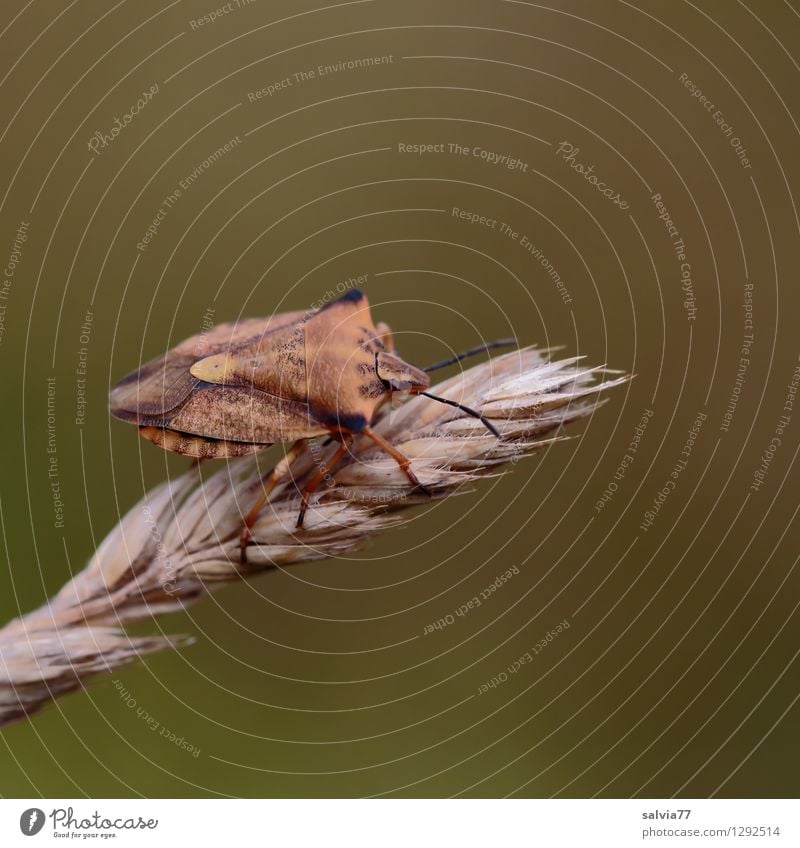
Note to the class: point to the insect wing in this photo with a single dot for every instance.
(244, 414)
(159, 387)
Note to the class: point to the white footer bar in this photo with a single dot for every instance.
(402, 823)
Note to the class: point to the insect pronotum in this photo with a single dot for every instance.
(241, 387)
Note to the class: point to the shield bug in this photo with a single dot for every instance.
(242, 387)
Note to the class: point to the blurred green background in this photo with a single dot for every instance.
(678, 673)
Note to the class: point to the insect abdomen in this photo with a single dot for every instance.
(197, 446)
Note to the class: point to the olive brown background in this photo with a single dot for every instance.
(676, 569)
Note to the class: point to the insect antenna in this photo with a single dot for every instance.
(485, 421)
(471, 352)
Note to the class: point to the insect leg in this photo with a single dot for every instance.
(273, 478)
(400, 458)
(322, 471)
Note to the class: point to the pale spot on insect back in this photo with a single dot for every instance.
(217, 369)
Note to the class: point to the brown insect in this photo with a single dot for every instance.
(242, 387)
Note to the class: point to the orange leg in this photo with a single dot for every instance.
(400, 458)
(323, 470)
(270, 481)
